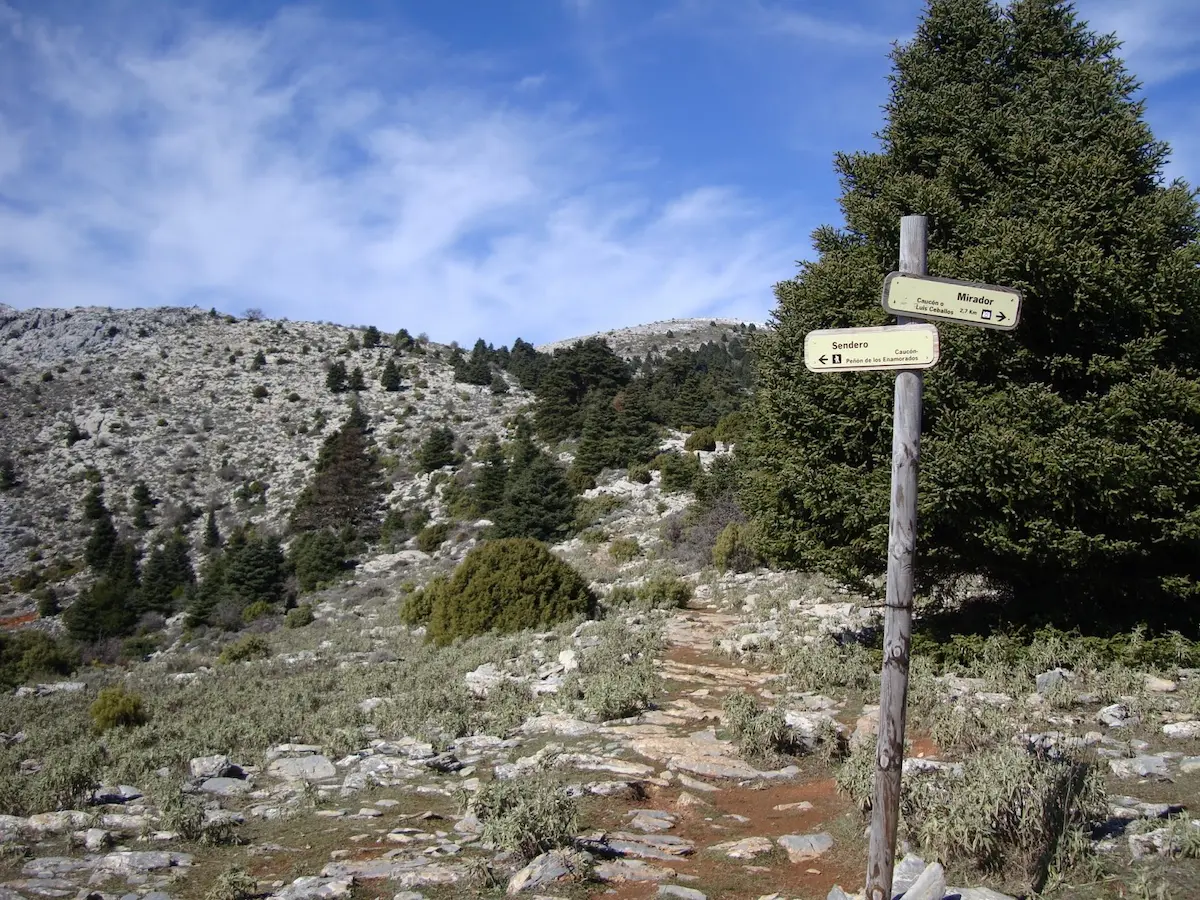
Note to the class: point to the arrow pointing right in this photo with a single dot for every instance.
(1000, 316)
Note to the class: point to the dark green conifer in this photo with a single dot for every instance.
(390, 379)
(357, 382)
(1058, 460)
(371, 337)
(346, 488)
(488, 490)
(437, 450)
(335, 378)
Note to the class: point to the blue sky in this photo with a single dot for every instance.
(542, 168)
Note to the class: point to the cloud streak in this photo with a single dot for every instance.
(273, 166)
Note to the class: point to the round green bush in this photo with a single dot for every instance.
(253, 646)
(433, 536)
(664, 592)
(700, 439)
(639, 474)
(299, 617)
(733, 551)
(506, 585)
(115, 707)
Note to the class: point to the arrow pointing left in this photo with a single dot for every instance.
(821, 360)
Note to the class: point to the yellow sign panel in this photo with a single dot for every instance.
(870, 349)
(947, 300)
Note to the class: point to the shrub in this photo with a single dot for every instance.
(432, 536)
(664, 592)
(679, 471)
(259, 391)
(235, 883)
(617, 678)
(731, 428)
(507, 585)
(624, 549)
(700, 439)
(115, 707)
(318, 557)
(26, 654)
(526, 815)
(1011, 812)
(257, 610)
(640, 474)
(299, 617)
(733, 551)
(761, 735)
(417, 607)
(252, 646)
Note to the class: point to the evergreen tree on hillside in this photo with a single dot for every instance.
(1060, 460)
(103, 539)
(538, 501)
(437, 450)
(488, 491)
(109, 607)
(167, 573)
(212, 534)
(390, 379)
(478, 368)
(346, 488)
(335, 378)
(356, 381)
(567, 380)
(371, 337)
(526, 364)
(255, 568)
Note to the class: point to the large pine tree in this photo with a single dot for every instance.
(346, 489)
(1061, 460)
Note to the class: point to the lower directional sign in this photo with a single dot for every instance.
(868, 349)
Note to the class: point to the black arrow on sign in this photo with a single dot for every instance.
(1000, 316)
(821, 360)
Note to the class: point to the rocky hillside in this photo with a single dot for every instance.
(707, 733)
(640, 340)
(174, 398)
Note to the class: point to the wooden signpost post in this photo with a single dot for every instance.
(909, 347)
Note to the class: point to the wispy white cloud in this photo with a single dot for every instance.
(1160, 38)
(274, 166)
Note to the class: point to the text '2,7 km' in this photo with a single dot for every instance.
(948, 300)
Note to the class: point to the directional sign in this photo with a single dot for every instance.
(868, 349)
(947, 300)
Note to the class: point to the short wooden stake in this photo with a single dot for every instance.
(897, 622)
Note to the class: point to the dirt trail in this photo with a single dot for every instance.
(711, 811)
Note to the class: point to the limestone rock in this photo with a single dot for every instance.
(803, 847)
(314, 767)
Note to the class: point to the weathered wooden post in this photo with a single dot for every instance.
(906, 348)
(897, 621)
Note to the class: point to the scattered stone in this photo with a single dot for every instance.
(133, 862)
(680, 893)
(978, 893)
(1182, 730)
(746, 848)
(651, 820)
(312, 767)
(205, 767)
(631, 870)
(226, 787)
(930, 885)
(1118, 715)
(1139, 767)
(1048, 681)
(1189, 765)
(803, 847)
(312, 887)
(801, 806)
(546, 869)
(1160, 685)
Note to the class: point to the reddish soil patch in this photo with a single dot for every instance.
(16, 621)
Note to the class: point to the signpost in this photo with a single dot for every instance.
(946, 300)
(870, 349)
(908, 347)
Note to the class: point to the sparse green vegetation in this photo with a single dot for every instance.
(504, 585)
(115, 707)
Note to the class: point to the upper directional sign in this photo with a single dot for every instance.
(947, 300)
(867, 349)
